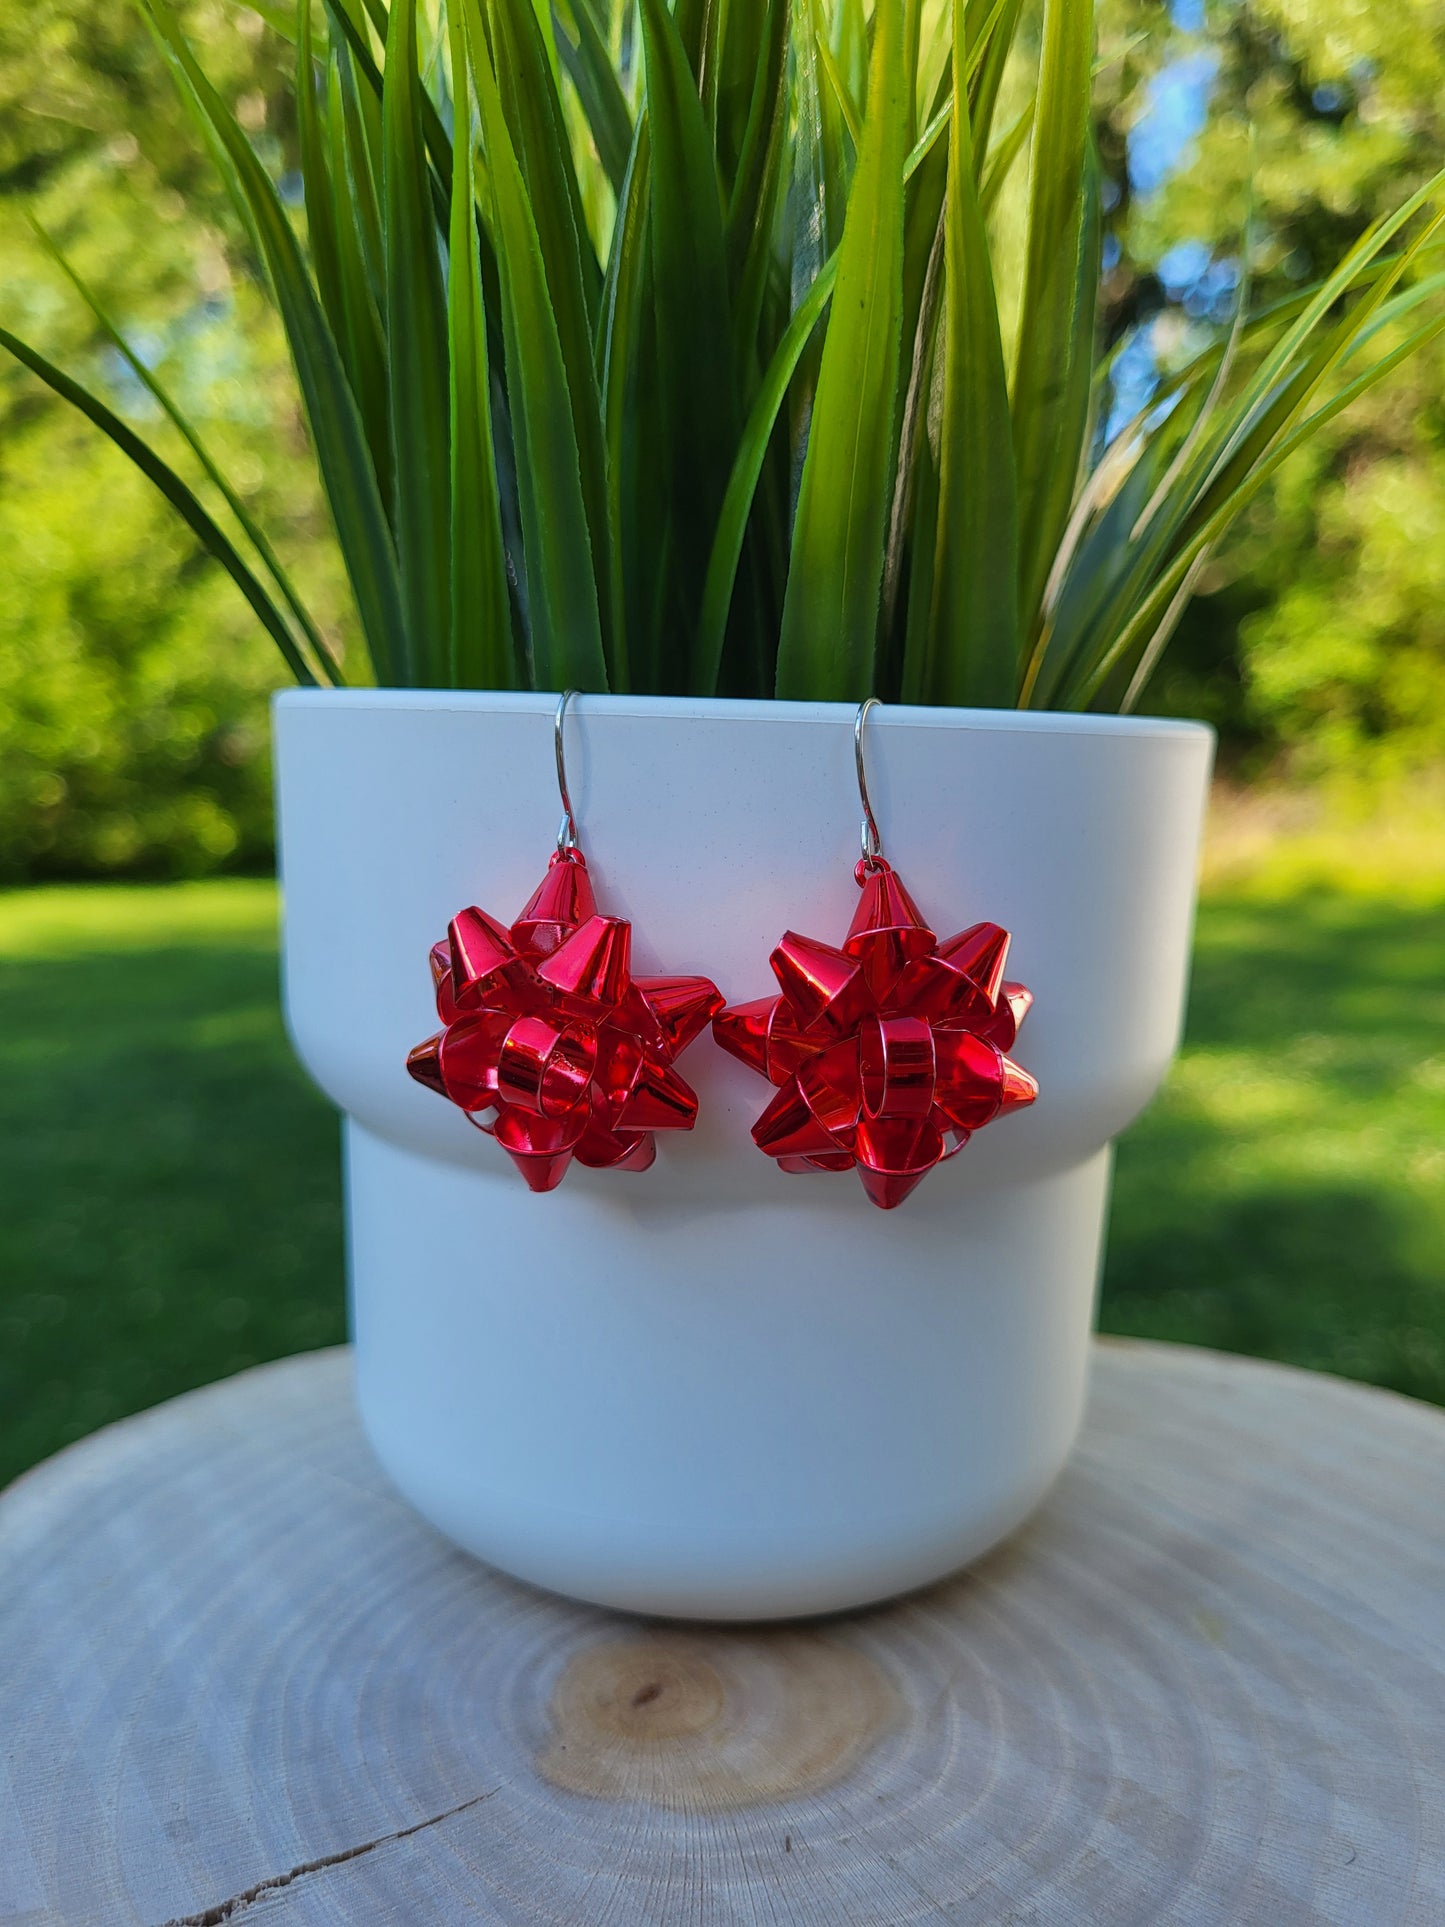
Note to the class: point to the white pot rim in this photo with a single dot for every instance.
(1046, 722)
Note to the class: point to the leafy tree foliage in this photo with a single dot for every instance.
(132, 679)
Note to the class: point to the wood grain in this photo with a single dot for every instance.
(240, 1681)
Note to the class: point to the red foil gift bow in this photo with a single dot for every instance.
(548, 1042)
(889, 1053)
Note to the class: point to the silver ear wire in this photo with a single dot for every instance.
(872, 841)
(567, 828)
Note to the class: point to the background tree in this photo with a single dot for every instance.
(132, 678)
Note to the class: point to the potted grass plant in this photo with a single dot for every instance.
(732, 364)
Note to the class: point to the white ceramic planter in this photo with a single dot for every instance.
(712, 1389)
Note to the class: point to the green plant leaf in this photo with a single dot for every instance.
(752, 203)
(416, 327)
(538, 136)
(618, 344)
(737, 72)
(212, 537)
(1269, 401)
(919, 398)
(1123, 581)
(920, 559)
(691, 309)
(819, 175)
(347, 19)
(277, 18)
(1134, 636)
(362, 341)
(1051, 385)
(838, 86)
(926, 175)
(973, 622)
(590, 69)
(566, 628)
(1001, 159)
(482, 655)
(1094, 563)
(1213, 464)
(315, 180)
(1277, 362)
(848, 20)
(830, 615)
(526, 82)
(989, 32)
(361, 131)
(342, 454)
(935, 59)
(742, 486)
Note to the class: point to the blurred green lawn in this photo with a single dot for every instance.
(169, 1197)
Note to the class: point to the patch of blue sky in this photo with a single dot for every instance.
(210, 372)
(1176, 107)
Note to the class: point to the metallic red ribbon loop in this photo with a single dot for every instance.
(545, 1066)
(549, 1043)
(888, 1053)
(895, 1066)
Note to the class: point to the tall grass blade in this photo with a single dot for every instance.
(535, 125)
(361, 128)
(342, 454)
(1001, 159)
(742, 486)
(912, 436)
(989, 36)
(315, 181)
(482, 654)
(819, 186)
(838, 87)
(1133, 636)
(618, 346)
(973, 624)
(589, 67)
(362, 341)
(691, 308)
(1056, 330)
(830, 615)
(1212, 465)
(757, 183)
(566, 626)
(522, 56)
(416, 327)
(348, 17)
(846, 23)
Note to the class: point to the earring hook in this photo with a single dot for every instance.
(567, 828)
(872, 841)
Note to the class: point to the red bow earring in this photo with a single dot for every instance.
(889, 1053)
(548, 1042)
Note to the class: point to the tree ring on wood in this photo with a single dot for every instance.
(714, 1719)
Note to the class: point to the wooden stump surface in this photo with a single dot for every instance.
(241, 1681)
